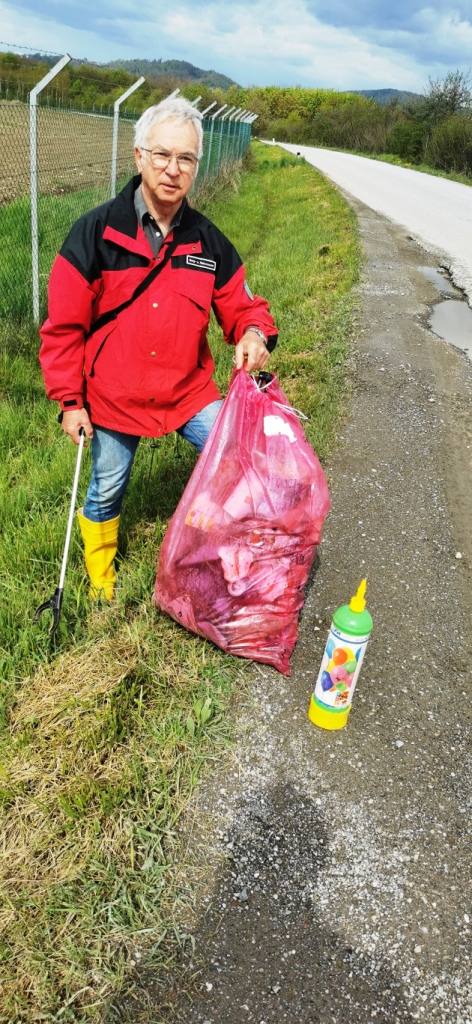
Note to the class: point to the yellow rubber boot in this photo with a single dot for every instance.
(100, 544)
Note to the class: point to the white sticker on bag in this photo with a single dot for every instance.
(274, 425)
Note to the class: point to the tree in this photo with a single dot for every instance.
(450, 96)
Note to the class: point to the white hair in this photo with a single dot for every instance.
(178, 110)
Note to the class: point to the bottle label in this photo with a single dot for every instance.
(339, 670)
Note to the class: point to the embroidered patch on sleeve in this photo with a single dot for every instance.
(248, 291)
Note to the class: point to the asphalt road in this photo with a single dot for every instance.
(331, 871)
(434, 210)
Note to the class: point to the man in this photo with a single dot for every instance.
(124, 349)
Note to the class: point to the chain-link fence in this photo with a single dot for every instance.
(223, 141)
(74, 173)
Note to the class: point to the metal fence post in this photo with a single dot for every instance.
(245, 135)
(33, 100)
(227, 133)
(248, 135)
(208, 108)
(204, 139)
(232, 134)
(237, 141)
(210, 141)
(221, 138)
(116, 118)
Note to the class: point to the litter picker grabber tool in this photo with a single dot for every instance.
(55, 602)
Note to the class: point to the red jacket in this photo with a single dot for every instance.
(150, 369)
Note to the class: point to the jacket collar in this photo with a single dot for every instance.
(123, 227)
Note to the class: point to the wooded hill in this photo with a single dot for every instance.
(180, 69)
(384, 96)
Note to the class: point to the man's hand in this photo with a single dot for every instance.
(251, 352)
(73, 420)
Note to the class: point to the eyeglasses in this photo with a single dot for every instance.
(186, 162)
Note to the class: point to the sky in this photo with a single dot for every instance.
(339, 44)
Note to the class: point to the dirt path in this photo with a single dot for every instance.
(340, 885)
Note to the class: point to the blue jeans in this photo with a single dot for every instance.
(112, 459)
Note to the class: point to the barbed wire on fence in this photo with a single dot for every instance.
(74, 172)
(12, 47)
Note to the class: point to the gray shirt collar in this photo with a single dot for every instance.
(144, 216)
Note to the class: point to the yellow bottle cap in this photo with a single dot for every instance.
(357, 603)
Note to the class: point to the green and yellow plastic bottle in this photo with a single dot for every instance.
(344, 653)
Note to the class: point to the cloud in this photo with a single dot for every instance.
(437, 32)
(338, 43)
(262, 44)
(75, 19)
(43, 32)
(400, 15)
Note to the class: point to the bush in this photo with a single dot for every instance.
(353, 122)
(407, 140)
(450, 145)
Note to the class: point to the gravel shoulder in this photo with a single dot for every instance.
(335, 867)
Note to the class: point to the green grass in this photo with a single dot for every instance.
(103, 739)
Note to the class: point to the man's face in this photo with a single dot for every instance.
(168, 185)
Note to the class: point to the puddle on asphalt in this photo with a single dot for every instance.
(439, 279)
(450, 319)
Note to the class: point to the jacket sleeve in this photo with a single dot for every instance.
(71, 294)
(235, 307)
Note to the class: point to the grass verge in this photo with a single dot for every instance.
(102, 740)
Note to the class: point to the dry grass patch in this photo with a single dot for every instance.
(105, 747)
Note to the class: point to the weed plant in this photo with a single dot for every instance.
(103, 738)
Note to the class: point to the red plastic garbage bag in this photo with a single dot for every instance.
(239, 548)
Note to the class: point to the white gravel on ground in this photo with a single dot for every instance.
(438, 212)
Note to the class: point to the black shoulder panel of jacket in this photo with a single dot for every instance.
(82, 245)
(122, 211)
(215, 245)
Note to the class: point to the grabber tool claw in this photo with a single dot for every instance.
(55, 601)
(264, 378)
